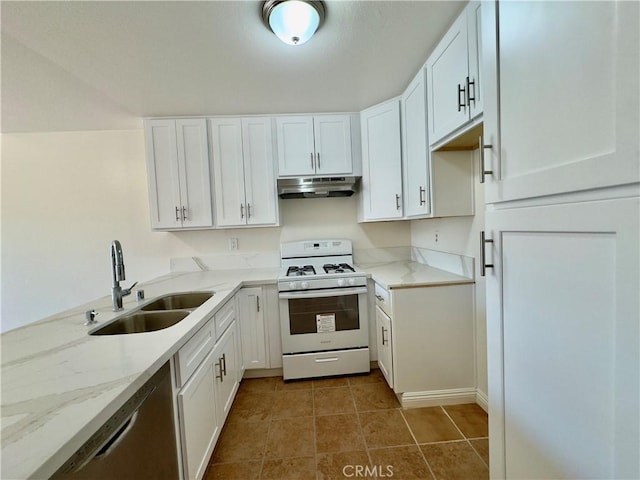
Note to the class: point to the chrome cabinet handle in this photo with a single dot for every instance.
(461, 101)
(318, 163)
(219, 365)
(184, 213)
(177, 214)
(397, 202)
(257, 303)
(380, 297)
(483, 264)
(223, 369)
(384, 340)
(469, 97)
(311, 154)
(248, 210)
(241, 211)
(422, 192)
(483, 172)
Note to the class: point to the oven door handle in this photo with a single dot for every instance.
(335, 292)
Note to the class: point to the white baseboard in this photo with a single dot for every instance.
(482, 399)
(437, 397)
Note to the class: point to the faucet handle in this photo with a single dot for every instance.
(90, 315)
(127, 291)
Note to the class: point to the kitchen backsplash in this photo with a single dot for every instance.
(225, 261)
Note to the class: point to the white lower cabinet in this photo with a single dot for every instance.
(227, 366)
(199, 422)
(383, 343)
(206, 396)
(254, 341)
(260, 327)
(426, 343)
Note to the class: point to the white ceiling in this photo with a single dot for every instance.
(103, 65)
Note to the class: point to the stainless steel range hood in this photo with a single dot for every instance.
(315, 187)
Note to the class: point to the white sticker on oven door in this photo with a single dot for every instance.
(326, 322)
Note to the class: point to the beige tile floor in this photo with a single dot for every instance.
(349, 427)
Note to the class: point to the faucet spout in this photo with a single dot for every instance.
(118, 275)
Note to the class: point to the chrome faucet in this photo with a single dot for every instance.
(117, 275)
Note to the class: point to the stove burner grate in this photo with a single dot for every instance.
(299, 271)
(338, 268)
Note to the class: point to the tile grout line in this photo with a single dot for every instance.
(433, 475)
(364, 440)
(463, 435)
(315, 430)
(266, 440)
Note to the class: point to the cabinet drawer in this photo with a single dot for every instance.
(194, 352)
(224, 317)
(383, 299)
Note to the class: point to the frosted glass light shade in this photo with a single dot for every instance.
(293, 21)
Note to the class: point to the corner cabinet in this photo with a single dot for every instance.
(243, 166)
(381, 188)
(314, 145)
(415, 152)
(178, 173)
(454, 76)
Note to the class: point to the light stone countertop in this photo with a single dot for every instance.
(409, 274)
(59, 384)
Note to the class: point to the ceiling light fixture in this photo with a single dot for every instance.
(293, 21)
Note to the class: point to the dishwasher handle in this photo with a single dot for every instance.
(121, 432)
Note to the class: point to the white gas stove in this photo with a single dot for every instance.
(323, 310)
(318, 264)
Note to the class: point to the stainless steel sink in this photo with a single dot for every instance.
(140, 322)
(178, 301)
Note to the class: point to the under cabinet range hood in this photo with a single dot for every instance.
(316, 187)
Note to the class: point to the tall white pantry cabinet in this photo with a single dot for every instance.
(561, 162)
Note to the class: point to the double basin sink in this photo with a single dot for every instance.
(160, 313)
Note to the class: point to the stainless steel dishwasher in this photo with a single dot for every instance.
(137, 442)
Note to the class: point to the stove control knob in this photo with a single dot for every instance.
(341, 282)
(352, 281)
(304, 285)
(293, 285)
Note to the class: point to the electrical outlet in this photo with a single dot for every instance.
(437, 237)
(233, 243)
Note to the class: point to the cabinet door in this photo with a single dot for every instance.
(194, 173)
(385, 357)
(563, 333)
(227, 366)
(565, 117)
(252, 328)
(474, 48)
(332, 134)
(296, 152)
(381, 162)
(447, 71)
(162, 170)
(199, 423)
(415, 155)
(228, 171)
(259, 175)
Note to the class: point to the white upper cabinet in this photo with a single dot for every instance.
(566, 116)
(243, 167)
(415, 154)
(453, 76)
(319, 145)
(381, 189)
(178, 173)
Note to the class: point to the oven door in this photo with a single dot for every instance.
(319, 320)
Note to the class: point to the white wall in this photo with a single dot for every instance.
(67, 195)
(461, 235)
